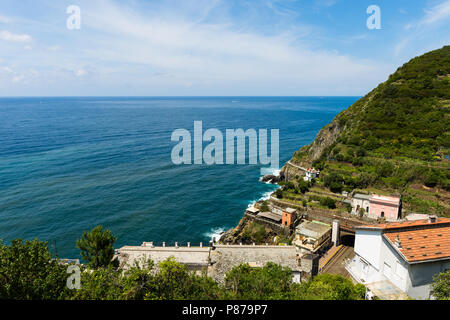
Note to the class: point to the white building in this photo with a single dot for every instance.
(311, 174)
(359, 201)
(401, 258)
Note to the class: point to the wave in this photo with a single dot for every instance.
(215, 233)
(267, 171)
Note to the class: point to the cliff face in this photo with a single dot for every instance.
(308, 154)
(405, 119)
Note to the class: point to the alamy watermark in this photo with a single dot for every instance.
(235, 146)
(74, 20)
(74, 280)
(374, 20)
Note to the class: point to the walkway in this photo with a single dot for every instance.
(296, 166)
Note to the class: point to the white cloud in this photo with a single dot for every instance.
(422, 35)
(18, 78)
(222, 55)
(4, 19)
(80, 72)
(437, 13)
(13, 37)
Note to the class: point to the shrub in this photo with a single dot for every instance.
(328, 202)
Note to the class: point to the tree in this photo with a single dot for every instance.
(279, 194)
(431, 180)
(329, 287)
(440, 288)
(264, 206)
(336, 187)
(100, 284)
(97, 247)
(175, 282)
(328, 202)
(270, 282)
(361, 212)
(303, 186)
(28, 272)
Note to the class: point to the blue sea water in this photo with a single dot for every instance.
(69, 164)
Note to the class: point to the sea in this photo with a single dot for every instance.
(69, 164)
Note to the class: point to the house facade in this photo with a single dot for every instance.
(311, 174)
(385, 207)
(402, 256)
(377, 206)
(312, 236)
(360, 200)
(288, 217)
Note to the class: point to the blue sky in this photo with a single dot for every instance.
(211, 47)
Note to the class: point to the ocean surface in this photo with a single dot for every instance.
(69, 164)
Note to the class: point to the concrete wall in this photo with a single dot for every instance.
(368, 245)
(393, 266)
(421, 277)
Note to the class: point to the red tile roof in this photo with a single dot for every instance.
(422, 244)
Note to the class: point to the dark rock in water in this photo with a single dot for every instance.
(272, 179)
(268, 178)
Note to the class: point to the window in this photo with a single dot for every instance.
(382, 214)
(367, 209)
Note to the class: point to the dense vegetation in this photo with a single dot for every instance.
(395, 137)
(440, 288)
(28, 271)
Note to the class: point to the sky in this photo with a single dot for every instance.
(212, 47)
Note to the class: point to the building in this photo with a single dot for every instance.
(360, 200)
(385, 207)
(376, 206)
(311, 174)
(270, 216)
(252, 210)
(401, 258)
(288, 217)
(312, 236)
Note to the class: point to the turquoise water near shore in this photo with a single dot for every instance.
(69, 164)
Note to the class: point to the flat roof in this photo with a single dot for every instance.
(313, 229)
(361, 196)
(270, 215)
(252, 209)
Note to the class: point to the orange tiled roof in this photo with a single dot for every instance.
(407, 224)
(422, 244)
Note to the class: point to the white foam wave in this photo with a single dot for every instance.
(215, 233)
(272, 171)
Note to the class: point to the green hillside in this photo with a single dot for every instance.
(395, 139)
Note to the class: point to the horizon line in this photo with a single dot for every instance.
(193, 96)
